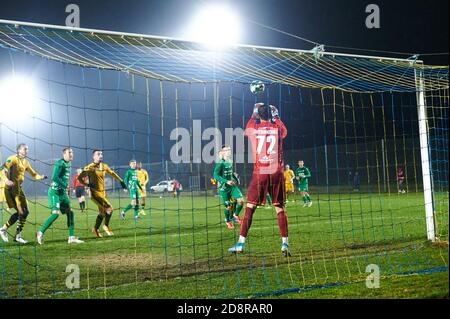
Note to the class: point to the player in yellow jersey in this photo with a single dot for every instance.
(3, 203)
(95, 172)
(289, 180)
(142, 175)
(14, 169)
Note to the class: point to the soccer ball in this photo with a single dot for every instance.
(257, 87)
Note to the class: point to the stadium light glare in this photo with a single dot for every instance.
(17, 96)
(216, 26)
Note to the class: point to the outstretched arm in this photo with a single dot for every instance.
(251, 124)
(115, 176)
(33, 173)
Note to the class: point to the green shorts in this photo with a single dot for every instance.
(134, 194)
(232, 191)
(58, 200)
(303, 188)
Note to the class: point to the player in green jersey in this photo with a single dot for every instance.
(302, 174)
(58, 197)
(228, 186)
(133, 186)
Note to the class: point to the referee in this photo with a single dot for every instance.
(79, 190)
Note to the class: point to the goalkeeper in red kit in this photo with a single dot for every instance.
(266, 132)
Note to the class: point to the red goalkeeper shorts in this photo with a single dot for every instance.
(261, 184)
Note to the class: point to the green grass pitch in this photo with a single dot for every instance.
(179, 250)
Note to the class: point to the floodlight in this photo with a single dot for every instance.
(17, 97)
(215, 26)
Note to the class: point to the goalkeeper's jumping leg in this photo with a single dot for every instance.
(283, 226)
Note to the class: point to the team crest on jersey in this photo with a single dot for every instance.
(265, 159)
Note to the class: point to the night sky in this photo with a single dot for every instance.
(406, 26)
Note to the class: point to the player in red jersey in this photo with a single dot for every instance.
(401, 180)
(266, 132)
(79, 190)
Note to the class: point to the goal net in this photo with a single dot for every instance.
(355, 121)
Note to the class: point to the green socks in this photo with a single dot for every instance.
(238, 209)
(228, 214)
(127, 208)
(136, 210)
(71, 223)
(53, 217)
(72, 230)
(49, 222)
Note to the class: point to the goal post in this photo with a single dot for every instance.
(425, 156)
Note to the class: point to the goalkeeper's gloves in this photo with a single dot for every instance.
(255, 114)
(255, 110)
(274, 112)
(124, 186)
